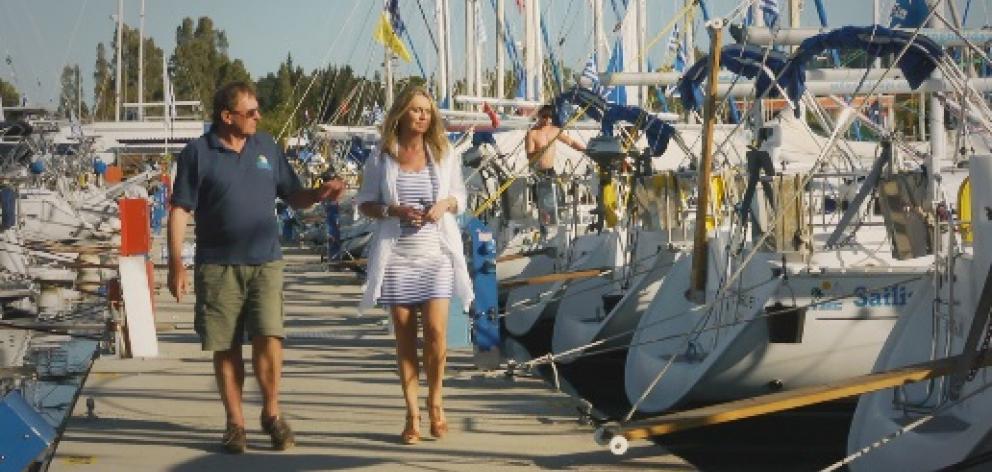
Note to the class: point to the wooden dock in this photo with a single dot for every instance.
(341, 394)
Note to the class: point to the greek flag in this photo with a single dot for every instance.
(678, 65)
(770, 10)
(590, 76)
(673, 39)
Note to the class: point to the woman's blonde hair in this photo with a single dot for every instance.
(434, 138)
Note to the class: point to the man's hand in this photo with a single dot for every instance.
(178, 281)
(331, 190)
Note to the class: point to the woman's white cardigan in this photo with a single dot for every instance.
(379, 186)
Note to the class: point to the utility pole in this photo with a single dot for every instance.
(700, 254)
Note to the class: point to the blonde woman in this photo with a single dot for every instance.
(414, 188)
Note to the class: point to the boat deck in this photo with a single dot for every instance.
(341, 394)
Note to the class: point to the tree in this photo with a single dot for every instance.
(201, 62)
(234, 71)
(105, 74)
(9, 94)
(153, 84)
(103, 87)
(72, 84)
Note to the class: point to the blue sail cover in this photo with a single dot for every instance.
(595, 105)
(916, 64)
(745, 60)
(657, 132)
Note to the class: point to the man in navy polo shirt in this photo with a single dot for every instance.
(229, 179)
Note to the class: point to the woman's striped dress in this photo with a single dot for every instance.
(418, 270)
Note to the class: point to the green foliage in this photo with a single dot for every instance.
(103, 86)
(105, 76)
(9, 94)
(69, 99)
(337, 96)
(200, 62)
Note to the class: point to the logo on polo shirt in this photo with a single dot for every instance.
(263, 162)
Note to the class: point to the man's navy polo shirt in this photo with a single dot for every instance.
(232, 197)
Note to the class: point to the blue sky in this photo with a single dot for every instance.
(41, 36)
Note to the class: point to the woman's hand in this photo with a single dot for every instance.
(437, 211)
(411, 215)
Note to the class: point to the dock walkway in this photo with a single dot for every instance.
(340, 393)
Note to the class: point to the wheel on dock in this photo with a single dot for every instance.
(619, 445)
(604, 434)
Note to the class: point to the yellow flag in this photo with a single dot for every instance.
(385, 35)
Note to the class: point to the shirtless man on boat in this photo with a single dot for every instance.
(541, 140)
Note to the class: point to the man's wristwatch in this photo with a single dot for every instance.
(385, 211)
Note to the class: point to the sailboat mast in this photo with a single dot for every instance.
(119, 66)
(697, 290)
(477, 52)
(538, 72)
(530, 58)
(688, 31)
(500, 52)
(642, 27)
(387, 65)
(141, 64)
(938, 136)
(599, 35)
(79, 99)
(441, 13)
(470, 49)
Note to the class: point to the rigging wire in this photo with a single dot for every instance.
(430, 32)
(72, 40)
(327, 54)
